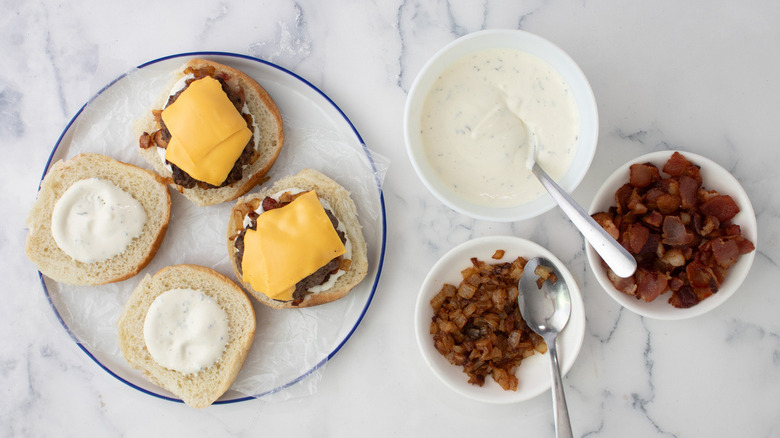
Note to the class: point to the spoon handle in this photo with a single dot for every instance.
(619, 260)
(561, 410)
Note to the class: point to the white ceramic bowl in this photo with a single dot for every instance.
(513, 39)
(714, 177)
(534, 372)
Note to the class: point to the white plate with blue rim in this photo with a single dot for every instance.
(291, 347)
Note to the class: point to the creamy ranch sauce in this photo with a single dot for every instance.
(94, 220)
(477, 123)
(185, 330)
(347, 245)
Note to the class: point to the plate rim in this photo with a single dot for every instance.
(383, 216)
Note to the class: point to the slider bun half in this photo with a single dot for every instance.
(264, 113)
(343, 208)
(199, 389)
(145, 186)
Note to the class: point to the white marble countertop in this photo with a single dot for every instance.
(698, 76)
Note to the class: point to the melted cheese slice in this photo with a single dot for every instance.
(290, 244)
(208, 134)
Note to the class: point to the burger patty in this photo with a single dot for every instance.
(315, 279)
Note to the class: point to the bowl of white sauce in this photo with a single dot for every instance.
(471, 113)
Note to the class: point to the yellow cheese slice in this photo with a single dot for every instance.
(290, 244)
(208, 134)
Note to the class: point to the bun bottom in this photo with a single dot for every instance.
(203, 388)
(343, 208)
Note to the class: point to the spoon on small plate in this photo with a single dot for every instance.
(616, 257)
(546, 310)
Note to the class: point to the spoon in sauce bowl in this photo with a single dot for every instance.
(614, 255)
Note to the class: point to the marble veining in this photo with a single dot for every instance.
(697, 76)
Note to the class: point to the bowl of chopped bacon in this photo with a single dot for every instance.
(689, 224)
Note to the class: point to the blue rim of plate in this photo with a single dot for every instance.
(381, 204)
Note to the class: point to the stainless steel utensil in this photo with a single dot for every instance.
(619, 260)
(546, 311)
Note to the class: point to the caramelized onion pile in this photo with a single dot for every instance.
(680, 233)
(477, 325)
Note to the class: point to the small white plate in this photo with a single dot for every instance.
(714, 177)
(533, 373)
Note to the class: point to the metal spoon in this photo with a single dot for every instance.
(619, 260)
(546, 311)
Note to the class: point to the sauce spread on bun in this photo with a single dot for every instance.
(185, 330)
(95, 220)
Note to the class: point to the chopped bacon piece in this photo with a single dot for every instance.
(621, 198)
(651, 197)
(699, 275)
(694, 172)
(676, 164)
(625, 285)
(668, 204)
(642, 175)
(545, 273)
(669, 185)
(711, 223)
(654, 219)
(684, 298)
(676, 283)
(635, 204)
(675, 233)
(705, 195)
(674, 257)
(270, 203)
(637, 237)
(745, 246)
(725, 251)
(650, 284)
(688, 189)
(605, 220)
(702, 292)
(722, 207)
